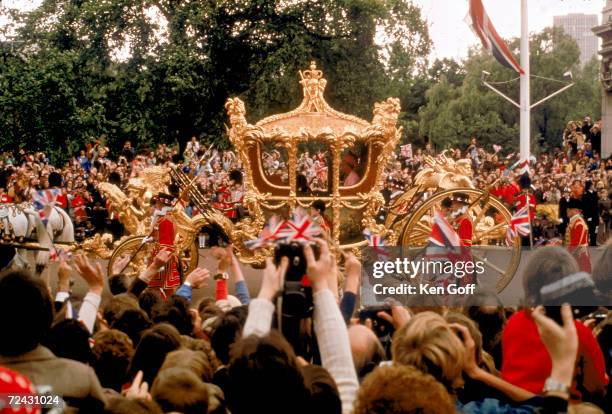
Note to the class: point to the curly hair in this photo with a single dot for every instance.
(398, 389)
(112, 352)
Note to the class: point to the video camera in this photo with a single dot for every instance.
(577, 290)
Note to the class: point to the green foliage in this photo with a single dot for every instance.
(160, 70)
(157, 71)
(464, 107)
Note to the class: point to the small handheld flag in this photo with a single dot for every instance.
(300, 228)
(377, 242)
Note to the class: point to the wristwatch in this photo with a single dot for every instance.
(221, 275)
(553, 385)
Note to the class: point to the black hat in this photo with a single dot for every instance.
(165, 199)
(114, 178)
(574, 203)
(4, 175)
(236, 176)
(460, 198)
(524, 181)
(55, 179)
(318, 205)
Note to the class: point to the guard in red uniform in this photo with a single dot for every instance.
(524, 197)
(167, 279)
(464, 227)
(577, 236)
(461, 220)
(78, 206)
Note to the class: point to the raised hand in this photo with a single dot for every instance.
(470, 367)
(120, 264)
(398, 318)
(161, 258)
(272, 278)
(63, 276)
(93, 275)
(561, 341)
(319, 271)
(198, 277)
(224, 256)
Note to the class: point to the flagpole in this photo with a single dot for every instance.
(525, 93)
(529, 217)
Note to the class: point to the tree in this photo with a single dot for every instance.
(160, 70)
(454, 112)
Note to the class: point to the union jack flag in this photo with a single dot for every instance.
(301, 228)
(44, 201)
(483, 28)
(442, 233)
(376, 241)
(519, 225)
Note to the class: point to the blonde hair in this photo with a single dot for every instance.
(428, 343)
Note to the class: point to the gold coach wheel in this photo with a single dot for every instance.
(490, 219)
(132, 246)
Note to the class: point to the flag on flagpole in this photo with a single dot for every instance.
(482, 26)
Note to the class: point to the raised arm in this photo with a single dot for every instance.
(330, 328)
(261, 309)
(94, 276)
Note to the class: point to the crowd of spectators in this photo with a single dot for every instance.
(574, 169)
(566, 172)
(122, 348)
(127, 350)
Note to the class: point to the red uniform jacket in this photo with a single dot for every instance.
(509, 191)
(168, 279)
(78, 207)
(61, 201)
(577, 242)
(465, 230)
(519, 202)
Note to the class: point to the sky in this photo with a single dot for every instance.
(450, 34)
(452, 37)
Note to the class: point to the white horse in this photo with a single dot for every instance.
(21, 221)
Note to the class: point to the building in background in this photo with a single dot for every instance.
(605, 33)
(579, 26)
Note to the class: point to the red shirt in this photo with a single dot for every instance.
(61, 201)
(5, 198)
(465, 230)
(509, 192)
(520, 200)
(526, 362)
(78, 206)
